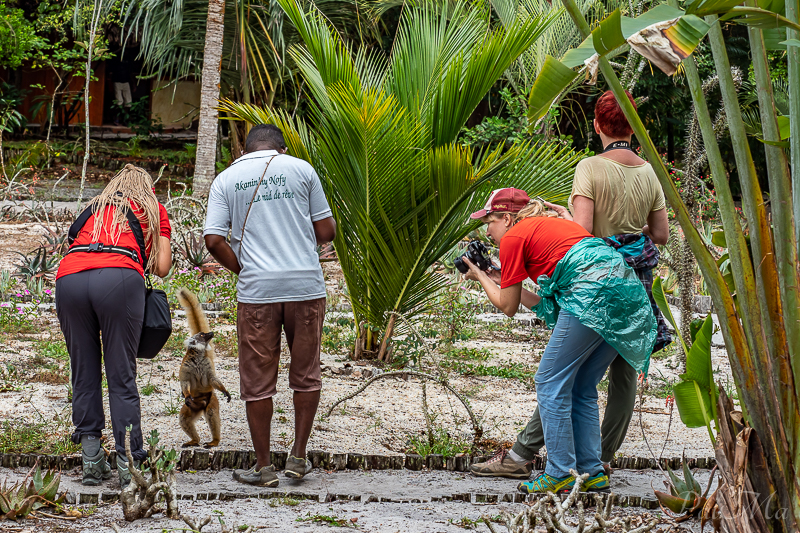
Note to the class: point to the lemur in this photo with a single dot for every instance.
(197, 375)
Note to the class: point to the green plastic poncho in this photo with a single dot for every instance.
(594, 283)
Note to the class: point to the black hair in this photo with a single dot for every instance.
(264, 137)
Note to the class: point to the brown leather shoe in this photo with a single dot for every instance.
(501, 465)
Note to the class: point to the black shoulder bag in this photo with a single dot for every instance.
(157, 323)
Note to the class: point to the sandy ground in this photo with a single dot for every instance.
(18, 237)
(379, 420)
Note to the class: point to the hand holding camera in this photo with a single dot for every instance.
(477, 254)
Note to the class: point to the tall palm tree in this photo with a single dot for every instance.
(245, 41)
(209, 94)
(383, 132)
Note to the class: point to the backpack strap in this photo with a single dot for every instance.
(76, 226)
(136, 228)
(133, 222)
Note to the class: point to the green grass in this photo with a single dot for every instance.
(15, 321)
(338, 336)
(10, 378)
(24, 436)
(465, 522)
(468, 354)
(509, 371)
(284, 500)
(330, 520)
(54, 349)
(443, 443)
(173, 403)
(174, 345)
(668, 352)
(470, 362)
(149, 389)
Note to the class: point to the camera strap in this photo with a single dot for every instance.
(618, 145)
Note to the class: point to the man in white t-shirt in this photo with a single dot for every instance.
(275, 209)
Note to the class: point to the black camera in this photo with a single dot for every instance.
(477, 254)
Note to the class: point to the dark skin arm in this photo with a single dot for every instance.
(220, 250)
(325, 230)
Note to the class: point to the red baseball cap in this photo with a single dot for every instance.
(508, 199)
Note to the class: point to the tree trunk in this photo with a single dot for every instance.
(204, 170)
(96, 15)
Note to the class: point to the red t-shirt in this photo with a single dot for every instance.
(534, 245)
(80, 261)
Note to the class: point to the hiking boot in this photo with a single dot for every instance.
(502, 465)
(597, 483)
(95, 468)
(546, 483)
(296, 467)
(124, 472)
(264, 477)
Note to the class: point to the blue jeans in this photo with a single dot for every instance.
(572, 365)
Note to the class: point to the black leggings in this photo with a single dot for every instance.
(110, 300)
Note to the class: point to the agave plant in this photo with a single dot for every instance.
(33, 492)
(383, 135)
(195, 252)
(37, 264)
(684, 497)
(55, 241)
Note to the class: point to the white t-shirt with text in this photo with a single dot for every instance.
(278, 252)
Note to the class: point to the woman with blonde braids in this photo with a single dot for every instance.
(597, 308)
(100, 287)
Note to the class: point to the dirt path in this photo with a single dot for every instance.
(379, 501)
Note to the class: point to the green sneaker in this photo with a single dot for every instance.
(597, 483)
(124, 472)
(296, 467)
(264, 477)
(95, 468)
(545, 483)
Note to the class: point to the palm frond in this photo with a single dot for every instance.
(381, 135)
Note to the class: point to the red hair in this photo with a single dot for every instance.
(610, 118)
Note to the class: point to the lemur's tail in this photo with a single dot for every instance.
(194, 312)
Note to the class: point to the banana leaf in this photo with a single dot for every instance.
(696, 394)
(698, 360)
(664, 35)
(694, 404)
(663, 305)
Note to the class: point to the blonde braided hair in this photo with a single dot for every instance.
(535, 208)
(130, 184)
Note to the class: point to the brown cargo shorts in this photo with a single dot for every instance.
(259, 328)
